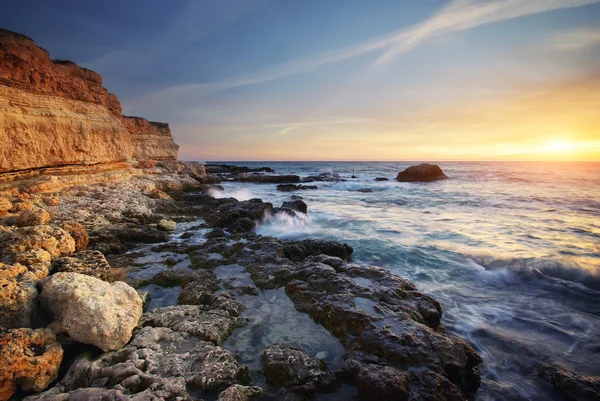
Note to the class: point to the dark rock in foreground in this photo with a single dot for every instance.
(297, 251)
(296, 205)
(287, 366)
(574, 386)
(421, 173)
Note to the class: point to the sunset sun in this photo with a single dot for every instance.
(559, 146)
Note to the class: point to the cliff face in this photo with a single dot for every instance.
(54, 113)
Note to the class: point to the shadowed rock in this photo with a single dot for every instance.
(421, 173)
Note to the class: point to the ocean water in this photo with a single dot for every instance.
(510, 250)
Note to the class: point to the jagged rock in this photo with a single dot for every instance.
(287, 366)
(52, 201)
(79, 234)
(198, 291)
(166, 278)
(167, 225)
(216, 233)
(90, 263)
(33, 217)
(21, 205)
(323, 177)
(18, 295)
(5, 206)
(158, 194)
(293, 187)
(421, 173)
(29, 359)
(297, 251)
(229, 212)
(239, 393)
(296, 205)
(207, 323)
(229, 169)
(90, 310)
(575, 386)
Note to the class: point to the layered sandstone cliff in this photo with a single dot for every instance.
(56, 114)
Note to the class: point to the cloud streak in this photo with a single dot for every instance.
(459, 15)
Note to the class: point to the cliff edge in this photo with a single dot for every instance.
(55, 114)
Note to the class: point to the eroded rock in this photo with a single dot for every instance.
(90, 263)
(18, 295)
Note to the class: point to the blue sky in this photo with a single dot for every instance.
(343, 80)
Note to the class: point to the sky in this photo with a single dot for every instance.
(427, 80)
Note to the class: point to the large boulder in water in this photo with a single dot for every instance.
(90, 310)
(421, 173)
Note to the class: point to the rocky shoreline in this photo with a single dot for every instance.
(234, 314)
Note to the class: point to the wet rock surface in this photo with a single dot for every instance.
(294, 187)
(574, 386)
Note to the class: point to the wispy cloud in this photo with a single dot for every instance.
(576, 39)
(459, 15)
(287, 127)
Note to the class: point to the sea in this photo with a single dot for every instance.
(511, 250)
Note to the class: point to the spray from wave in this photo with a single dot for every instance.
(241, 194)
(287, 225)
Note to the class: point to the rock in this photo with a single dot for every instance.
(226, 214)
(575, 386)
(230, 169)
(18, 295)
(90, 263)
(167, 278)
(382, 179)
(79, 234)
(297, 251)
(33, 217)
(293, 187)
(208, 324)
(29, 359)
(323, 177)
(262, 178)
(21, 205)
(167, 225)
(296, 205)
(90, 310)
(159, 364)
(421, 173)
(52, 201)
(158, 194)
(364, 190)
(5, 206)
(287, 366)
(239, 393)
(216, 233)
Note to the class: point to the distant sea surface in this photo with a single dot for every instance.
(511, 251)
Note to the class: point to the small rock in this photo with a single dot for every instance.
(297, 205)
(52, 201)
(18, 295)
(21, 205)
(365, 190)
(79, 234)
(29, 359)
(90, 310)
(33, 217)
(382, 179)
(167, 225)
(238, 392)
(421, 173)
(5, 206)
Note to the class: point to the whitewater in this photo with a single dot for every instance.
(510, 250)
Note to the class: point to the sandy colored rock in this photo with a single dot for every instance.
(90, 310)
(52, 201)
(167, 225)
(18, 293)
(5, 206)
(21, 205)
(239, 393)
(34, 217)
(29, 359)
(79, 234)
(90, 263)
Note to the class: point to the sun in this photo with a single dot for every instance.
(559, 146)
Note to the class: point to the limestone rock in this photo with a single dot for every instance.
(421, 173)
(90, 263)
(287, 366)
(52, 201)
(33, 217)
(21, 205)
(18, 294)
(79, 234)
(167, 225)
(5, 206)
(90, 310)
(29, 359)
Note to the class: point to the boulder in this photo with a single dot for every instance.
(33, 217)
(90, 263)
(421, 173)
(29, 359)
(297, 251)
(167, 225)
(18, 295)
(90, 310)
(79, 234)
(286, 366)
(296, 205)
(575, 386)
(294, 187)
(382, 179)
